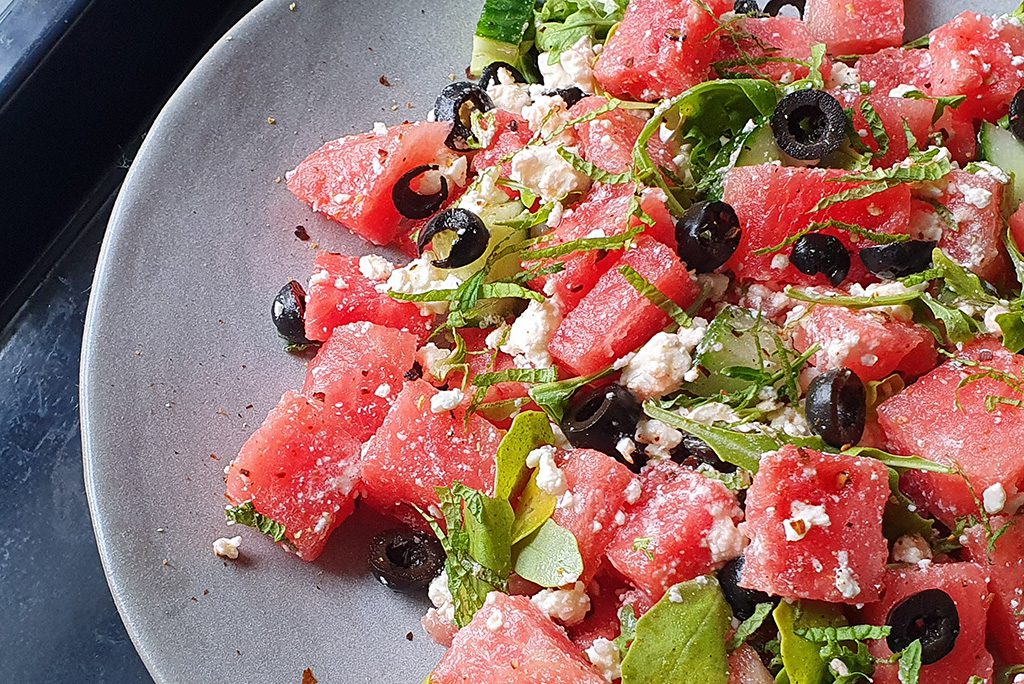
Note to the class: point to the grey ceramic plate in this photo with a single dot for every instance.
(180, 362)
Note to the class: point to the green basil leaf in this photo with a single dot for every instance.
(549, 557)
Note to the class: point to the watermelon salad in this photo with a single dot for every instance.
(691, 350)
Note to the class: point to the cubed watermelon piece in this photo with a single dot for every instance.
(511, 133)
(357, 373)
(661, 48)
(945, 421)
(872, 345)
(775, 202)
(1005, 566)
(614, 319)
(978, 56)
(608, 140)
(301, 469)
(855, 27)
(683, 525)
(958, 135)
(350, 179)
(965, 583)
(599, 486)
(510, 641)
(338, 293)
(609, 593)
(745, 667)
(605, 211)
(765, 38)
(892, 67)
(416, 450)
(815, 526)
(893, 111)
(975, 199)
(1016, 222)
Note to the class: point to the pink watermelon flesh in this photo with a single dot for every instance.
(840, 562)
(301, 469)
(871, 345)
(350, 179)
(975, 55)
(609, 593)
(976, 200)
(1016, 221)
(525, 648)
(598, 484)
(416, 450)
(758, 38)
(686, 524)
(965, 584)
(608, 139)
(745, 667)
(855, 27)
(614, 319)
(357, 373)
(940, 420)
(892, 67)
(511, 133)
(338, 294)
(893, 111)
(776, 202)
(1005, 566)
(661, 48)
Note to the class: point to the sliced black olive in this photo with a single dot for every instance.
(748, 7)
(817, 253)
(930, 616)
(570, 96)
(489, 74)
(809, 124)
(289, 313)
(773, 7)
(743, 601)
(1017, 114)
(414, 373)
(899, 259)
(450, 105)
(707, 235)
(412, 204)
(837, 407)
(693, 451)
(600, 418)
(470, 237)
(405, 560)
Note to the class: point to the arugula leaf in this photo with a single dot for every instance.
(528, 431)
(534, 508)
(655, 296)
(853, 302)
(958, 326)
(814, 78)
(899, 462)
(910, 663)
(801, 657)
(627, 628)
(960, 280)
(941, 103)
(592, 170)
(682, 641)
(245, 514)
(562, 23)
(1012, 325)
(549, 557)
(750, 625)
(900, 516)
(1015, 255)
(552, 397)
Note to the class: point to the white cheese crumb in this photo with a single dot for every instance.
(674, 594)
(420, 275)
(568, 606)
(604, 656)
(227, 547)
(440, 595)
(846, 581)
(447, 400)
(574, 67)
(495, 621)
(911, 548)
(991, 314)
(430, 356)
(978, 197)
(660, 438)
(903, 89)
(527, 340)
(839, 667)
(780, 261)
(626, 447)
(633, 491)
(383, 390)
(544, 171)
(994, 498)
(661, 365)
(804, 517)
(550, 477)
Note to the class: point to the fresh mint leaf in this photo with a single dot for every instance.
(901, 516)
(963, 282)
(1012, 326)
(875, 126)
(852, 302)
(852, 228)
(488, 524)
(910, 663)
(552, 397)
(655, 296)
(550, 557)
(682, 640)
(591, 244)
(246, 514)
(931, 165)
(750, 625)
(592, 170)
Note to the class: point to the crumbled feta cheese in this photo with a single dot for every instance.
(547, 113)
(380, 128)
(440, 595)
(674, 595)
(626, 447)
(661, 365)
(527, 340)
(483, 192)
(227, 547)
(573, 67)
(568, 606)
(994, 498)
(984, 168)
(494, 338)
(803, 518)
(660, 438)
(420, 275)
(544, 171)
(495, 621)
(633, 491)
(846, 581)
(507, 94)
(991, 314)
(911, 548)
(724, 539)
(383, 390)
(903, 89)
(791, 422)
(447, 400)
(710, 413)
(550, 477)
(321, 277)
(842, 77)
(604, 656)
(839, 667)
(926, 225)
(430, 356)
(978, 197)
(780, 261)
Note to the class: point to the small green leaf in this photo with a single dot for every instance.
(844, 633)
(583, 245)
(1012, 325)
(853, 302)
(592, 170)
(655, 296)
(528, 431)
(900, 516)
(553, 396)
(801, 657)
(549, 557)
(535, 507)
(627, 628)
(750, 625)
(876, 127)
(489, 525)
(245, 514)
(910, 663)
(961, 280)
(899, 462)
(682, 638)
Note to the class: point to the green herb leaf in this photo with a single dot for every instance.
(910, 663)
(750, 625)
(552, 397)
(528, 431)
(534, 508)
(655, 296)
(627, 628)
(801, 657)
(900, 516)
(549, 557)
(562, 23)
(682, 641)
(593, 171)
(1012, 325)
(852, 228)
(619, 241)
(843, 633)
(898, 462)
(489, 526)
(526, 375)
(958, 326)
(931, 165)
(960, 280)
(876, 127)
(851, 302)
(245, 514)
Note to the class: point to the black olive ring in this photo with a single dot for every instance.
(599, 418)
(471, 237)
(413, 205)
(707, 235)
(489, 74)
(288, 312)
(405, 560)
(809, 124)
(837, 407)
(899, 259)
(448, 107)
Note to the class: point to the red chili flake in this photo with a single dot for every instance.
(300, 232)
(384, 81)
(307, 677)
(214, 457)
